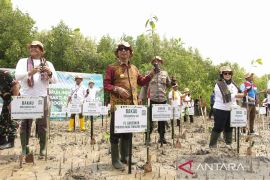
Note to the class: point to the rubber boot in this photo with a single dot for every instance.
(25, 148)
(82, 127)
(115, 157)
(71, 125)
(124, 151)
(9, 144)
(228, 139)
(42, 144)
(162, 138)
(3, 140)
(213, 139)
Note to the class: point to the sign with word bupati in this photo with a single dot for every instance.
(91, 108)
(130, 118)
(238, 117)
(176, 112)
(24, 107)
(75, 107)
(161, 112)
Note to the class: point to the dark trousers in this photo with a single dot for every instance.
(114, 138)
(222, 121)
(251, 114)
(211, 111)
(161, 124)
(190, 118)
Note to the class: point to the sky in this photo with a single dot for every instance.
(222, 30)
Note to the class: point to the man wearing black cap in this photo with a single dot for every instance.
(121, 81)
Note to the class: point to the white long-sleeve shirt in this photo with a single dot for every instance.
(40, 86)
(219, 104)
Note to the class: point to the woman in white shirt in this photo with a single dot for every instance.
(226, 93)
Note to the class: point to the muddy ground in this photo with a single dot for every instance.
(72, 156)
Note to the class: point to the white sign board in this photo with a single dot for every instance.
(177, 112)
(74, 108)
(23, 107)
(91, 108)
(103, 110)
(262, 110)
(238, 117)
(130, 118)
(191, 111)
(161, 112)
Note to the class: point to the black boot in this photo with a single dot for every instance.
(9, 144)
(115, 157)
(213, 139)
(162, 138)
(3, 140)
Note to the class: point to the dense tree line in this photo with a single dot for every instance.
(69, 50)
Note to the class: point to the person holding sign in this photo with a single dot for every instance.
(121, 80)
(156, 91)
(175, 98)
(35, 73)
(8, 87)
(226, 93)
(249, 88)
(76, 96)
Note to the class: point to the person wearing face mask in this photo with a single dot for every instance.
(156, 92)
(121, 81)
(226, 92)
(35, 73)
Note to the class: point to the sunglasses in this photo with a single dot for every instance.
(227, 73)
(123, 48)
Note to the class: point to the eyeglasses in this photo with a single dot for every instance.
(123, 48)
(227, 73)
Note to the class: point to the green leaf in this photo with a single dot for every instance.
(147, 22)
(153, 25)
(259, 61)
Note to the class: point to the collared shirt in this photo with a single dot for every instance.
(127, 77)
(156, 89)
(175, 97)
(40, 86)
(219, 104)
(91, 94)
(251, 90)
(77, 93)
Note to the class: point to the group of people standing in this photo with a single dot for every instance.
(121, 81)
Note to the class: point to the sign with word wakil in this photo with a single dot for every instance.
(26, 107)
(238, 117)
(161, 112)
(91, 108)
(130, 118)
